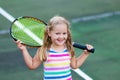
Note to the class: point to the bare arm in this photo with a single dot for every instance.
(77, 62)
(32, 63)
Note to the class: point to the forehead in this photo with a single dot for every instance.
(60, 27)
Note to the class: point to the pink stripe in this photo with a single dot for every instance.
(57, 68)
(69, 78)
(58, 59)
(60, 55)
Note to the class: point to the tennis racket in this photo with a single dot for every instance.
(30, 31)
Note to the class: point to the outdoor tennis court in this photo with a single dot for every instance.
(88, 25)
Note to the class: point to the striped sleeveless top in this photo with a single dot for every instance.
(57, 65)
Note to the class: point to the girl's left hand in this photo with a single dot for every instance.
(89, 47)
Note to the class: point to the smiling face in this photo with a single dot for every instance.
(58, 35)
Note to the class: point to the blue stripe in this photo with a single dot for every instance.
(53, 51)
(56, 77)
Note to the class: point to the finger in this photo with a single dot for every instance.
(18, 42)
(89, 47)
(86, 51)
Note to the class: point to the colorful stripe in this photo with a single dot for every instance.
(58, 77)
(53, 51)
(57, 66)
(60, 55)
(58, 60)
(52, 72)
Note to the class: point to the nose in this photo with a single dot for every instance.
(61, 36)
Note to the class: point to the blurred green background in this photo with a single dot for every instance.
(102, 33)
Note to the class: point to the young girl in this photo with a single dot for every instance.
(56, 53)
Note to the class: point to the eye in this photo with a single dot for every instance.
(64, 33)
(57, 33)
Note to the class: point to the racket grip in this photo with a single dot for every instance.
(77, 45)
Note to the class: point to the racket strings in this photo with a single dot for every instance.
(35, 26)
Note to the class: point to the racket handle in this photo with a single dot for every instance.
(77, 45)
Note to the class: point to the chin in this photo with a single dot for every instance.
(60, 44)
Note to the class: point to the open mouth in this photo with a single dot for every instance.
(60, 40)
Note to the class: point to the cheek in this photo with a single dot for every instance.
(53, 37)
(66, 36)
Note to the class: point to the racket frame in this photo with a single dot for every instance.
(41, 21)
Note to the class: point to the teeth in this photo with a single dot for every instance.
(60, 40)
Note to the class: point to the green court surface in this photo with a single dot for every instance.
(102, 33)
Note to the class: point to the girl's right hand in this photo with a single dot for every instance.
(20, 46)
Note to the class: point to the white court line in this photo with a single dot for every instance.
(82, 74)
(11, 19)
(93, 17)
(6, 15)
(21, 26)
(85, 18)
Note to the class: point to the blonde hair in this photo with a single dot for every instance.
(56, 20)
